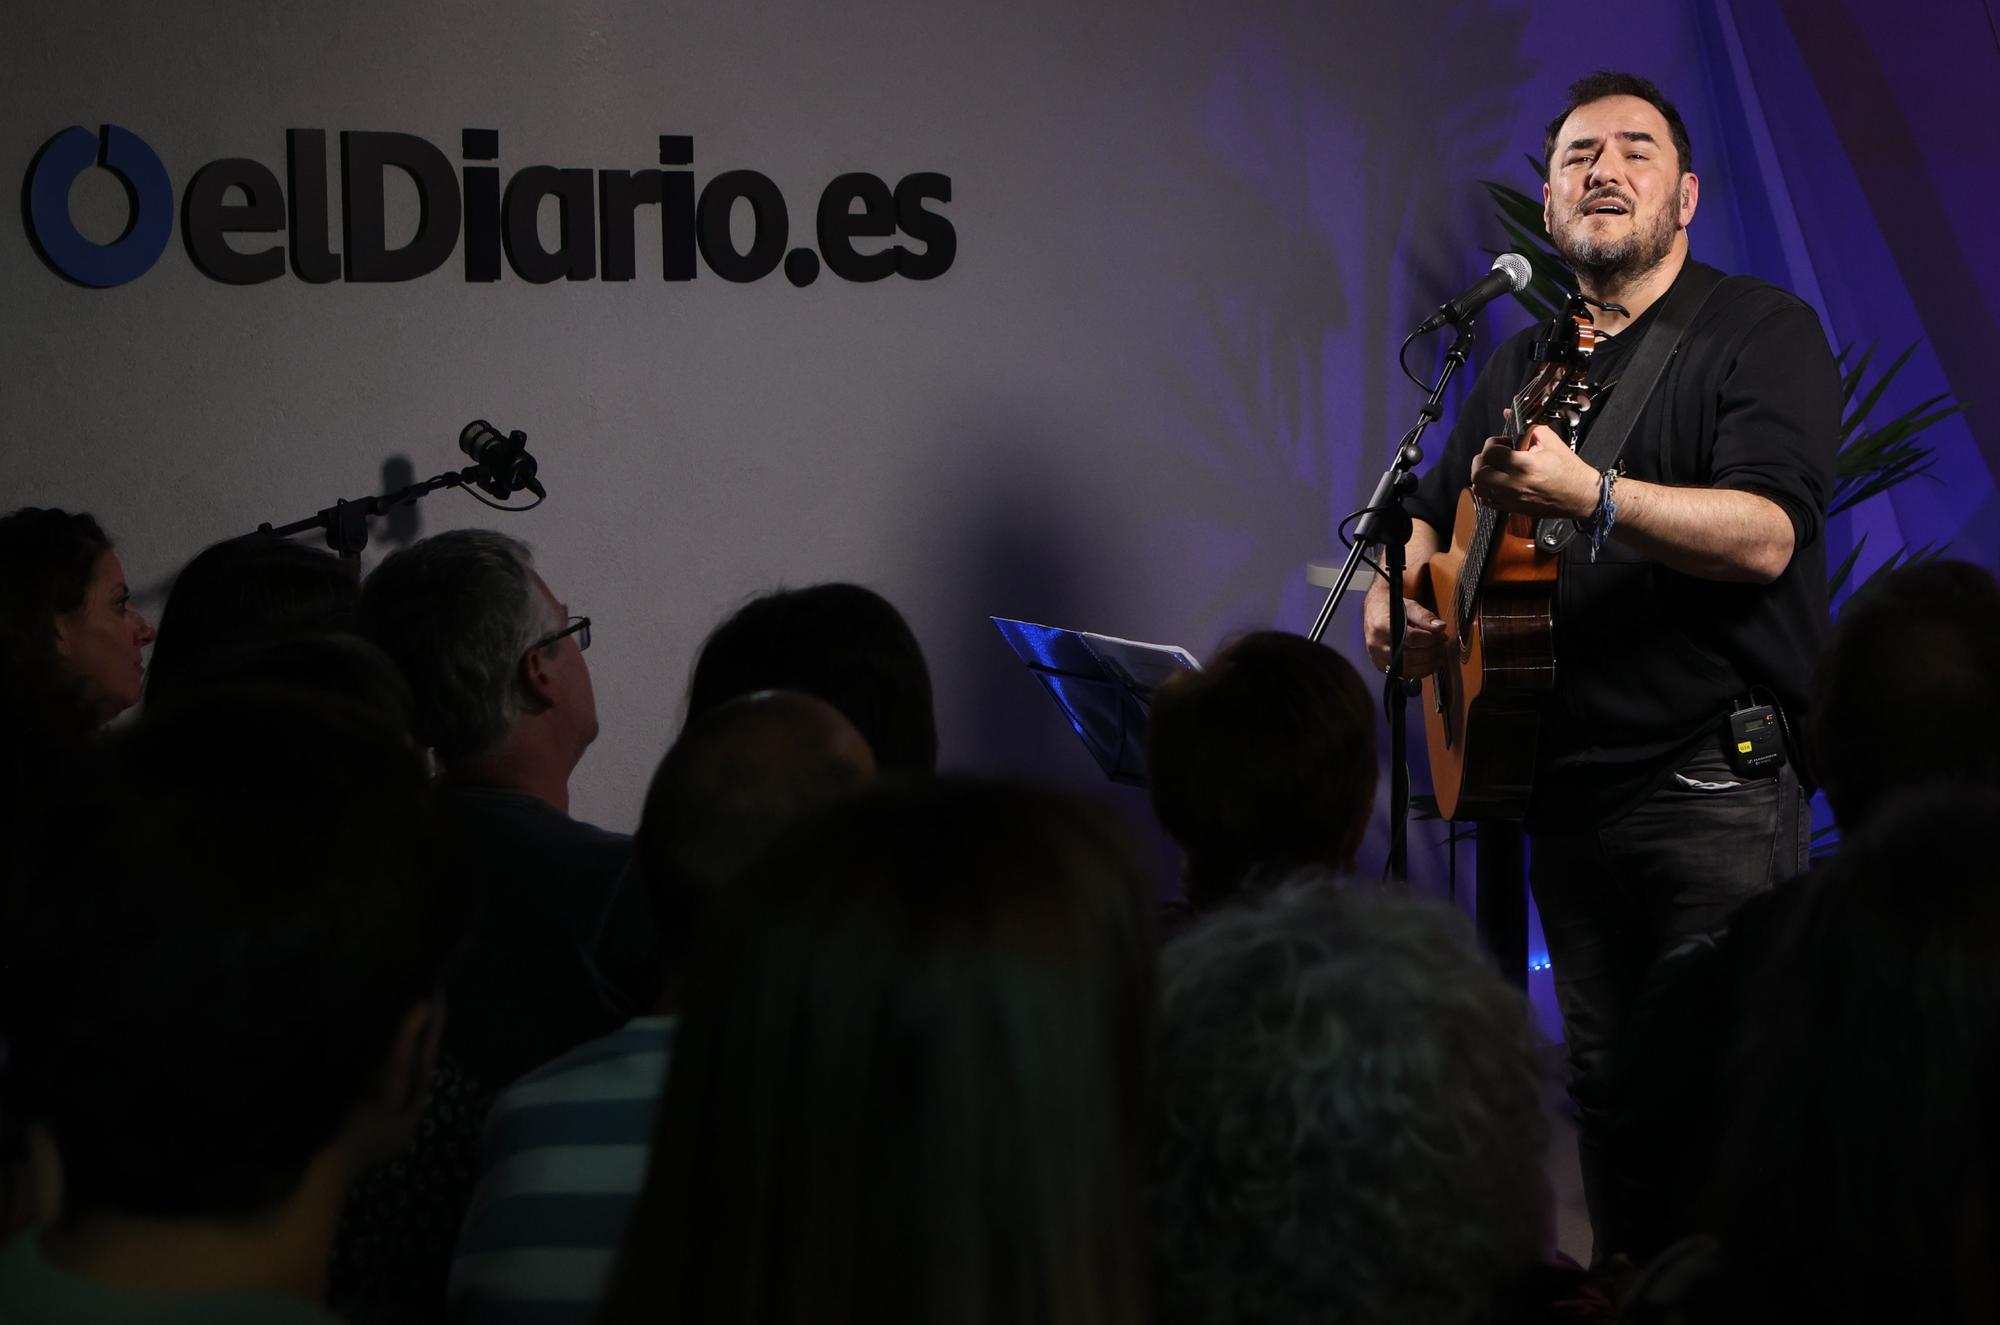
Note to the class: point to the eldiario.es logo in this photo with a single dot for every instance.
(600, 214)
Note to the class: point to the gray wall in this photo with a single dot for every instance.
(1160, 370)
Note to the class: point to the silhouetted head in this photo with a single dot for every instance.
(908, 1078)
(838, 642)
(1263, 763)
(1904, 694)
(1873, 1038)
(339, 664)
(224, 954)
(244, 593)
(1351, 1116)
(738, 777)
(69, 636)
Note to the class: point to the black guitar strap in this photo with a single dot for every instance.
(1605, 440)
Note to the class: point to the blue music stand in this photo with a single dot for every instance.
(1102, 684)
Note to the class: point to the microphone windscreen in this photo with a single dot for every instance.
(475, 437)
(1516, 269)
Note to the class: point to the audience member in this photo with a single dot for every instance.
(70, 661)
(1352, 1126)
(245, 593)
(1899, 700)
(909, 1078)
(333, 663)
(70, 642)
(1903, 694)
(566, 1146)
(838, 642)
(224, 965)
(1262, 764)
(563, 948)
(1855, 1181)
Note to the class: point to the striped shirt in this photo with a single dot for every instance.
(563, 1161)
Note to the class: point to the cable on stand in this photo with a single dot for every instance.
(501, 467)
(1383, 523)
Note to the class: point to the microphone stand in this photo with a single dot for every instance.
(346, 522)
(1385, 524)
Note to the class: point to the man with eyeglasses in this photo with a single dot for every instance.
(563, 950)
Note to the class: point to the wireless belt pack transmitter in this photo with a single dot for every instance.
(1756, 740)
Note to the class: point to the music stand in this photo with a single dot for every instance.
(1102, 684)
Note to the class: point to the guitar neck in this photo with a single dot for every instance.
(1478, 554)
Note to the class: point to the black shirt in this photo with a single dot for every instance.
(1648, 659)
(563, 949)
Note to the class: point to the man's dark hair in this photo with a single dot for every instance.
(735, 780)
(334, 663)
(909, 1079)
(838, 642)
(1903, 692)
(245, 592)
(1607, 83)
(1263, 763)
(222, 921)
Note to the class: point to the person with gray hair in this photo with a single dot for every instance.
(563, 948)
(1353, 1127)
(504, 699)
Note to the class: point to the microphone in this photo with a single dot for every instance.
(508, 466)
(1511, 274)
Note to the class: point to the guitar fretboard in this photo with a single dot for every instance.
(1477, 554)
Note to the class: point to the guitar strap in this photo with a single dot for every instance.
(1605, 440)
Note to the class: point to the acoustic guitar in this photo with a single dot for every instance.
(1496, 593)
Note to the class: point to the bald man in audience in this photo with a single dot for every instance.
(566, 1148)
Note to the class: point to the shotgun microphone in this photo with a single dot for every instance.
(508, 466)
(1510, 275)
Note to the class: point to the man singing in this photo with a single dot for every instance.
(1706, 593)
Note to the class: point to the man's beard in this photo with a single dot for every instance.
(1615, 261)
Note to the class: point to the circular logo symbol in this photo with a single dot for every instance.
(148, 191)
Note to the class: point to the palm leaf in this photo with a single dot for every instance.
(1858, 412)
(1521, 219)
(1845, 568)
(1872, 460)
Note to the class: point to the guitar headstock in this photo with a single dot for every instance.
(1556, 393)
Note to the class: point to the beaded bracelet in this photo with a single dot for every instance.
(1606, 514)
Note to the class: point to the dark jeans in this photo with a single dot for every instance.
(1614, 898)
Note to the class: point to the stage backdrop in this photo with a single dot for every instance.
(1134, 362)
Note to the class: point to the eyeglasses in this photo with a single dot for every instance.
(578, 626)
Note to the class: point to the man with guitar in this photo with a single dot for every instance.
(1689, 600)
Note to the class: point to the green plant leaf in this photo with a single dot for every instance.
(1874, 396)
(1850, 378)
(1845, 568)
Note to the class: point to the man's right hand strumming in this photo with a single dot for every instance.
(1424, 641)
(1423, 635)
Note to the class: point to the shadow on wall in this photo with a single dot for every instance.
(1020, 539)
(403, 525)
(1357, 199)
(1017, 541)
(1262, 373)
(1356, 211)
